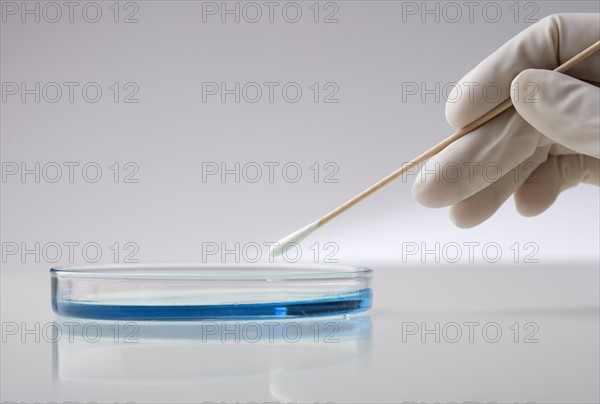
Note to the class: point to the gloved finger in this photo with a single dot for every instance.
(554, 176)
(558, 149)
(479, 207)
(479, 158)
(545, 45)
(565, 109)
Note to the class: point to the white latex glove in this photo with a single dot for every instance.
(549, 142)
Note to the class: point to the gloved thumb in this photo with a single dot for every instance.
(560, 107)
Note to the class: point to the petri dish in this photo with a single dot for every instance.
(182, 292)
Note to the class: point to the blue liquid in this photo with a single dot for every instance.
(341, 304)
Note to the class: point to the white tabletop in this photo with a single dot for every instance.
(547, 351)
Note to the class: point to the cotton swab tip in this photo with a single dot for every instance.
(296, 237)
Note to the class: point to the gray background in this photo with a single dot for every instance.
(170, 212)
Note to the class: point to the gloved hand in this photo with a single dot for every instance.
(549, 142)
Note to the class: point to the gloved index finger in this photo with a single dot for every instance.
(545, 45)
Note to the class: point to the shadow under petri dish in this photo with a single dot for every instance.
(169, 352)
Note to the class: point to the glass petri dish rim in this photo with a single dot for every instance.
(213, 271)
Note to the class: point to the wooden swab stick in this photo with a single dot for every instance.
(301, 234)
